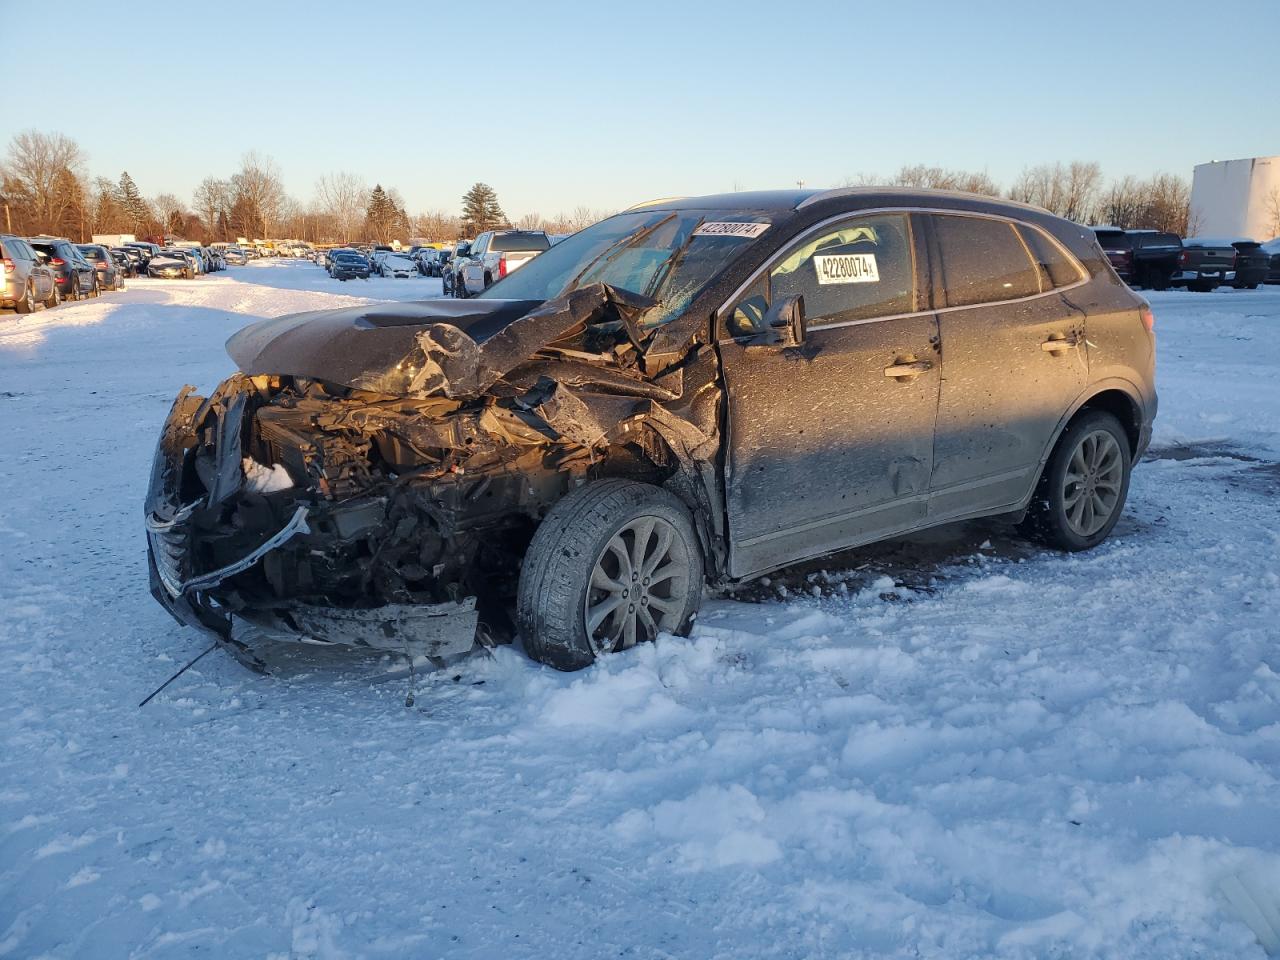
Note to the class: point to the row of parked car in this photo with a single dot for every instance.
(466, 268)
(48, 270)
(1149, 258)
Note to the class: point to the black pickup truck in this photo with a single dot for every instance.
(1252, 265)
(1142, 258)
(1205, 264)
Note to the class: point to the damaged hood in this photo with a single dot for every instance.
(452, 348)
(348, 345)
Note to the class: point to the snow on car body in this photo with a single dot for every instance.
(695, 389)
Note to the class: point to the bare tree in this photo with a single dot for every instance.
(1068, 190)
(258, 192)
(932, 178)
(437, 225)
(342, 197)
(213, 199)
(172, 213)
(41, 167)
(1271, 205)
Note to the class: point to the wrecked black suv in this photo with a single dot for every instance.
(692, 391)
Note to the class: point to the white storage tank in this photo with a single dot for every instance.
(1236, 199)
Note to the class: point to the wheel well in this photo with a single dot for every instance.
(1119, 405)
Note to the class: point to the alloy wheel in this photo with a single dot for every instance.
(1092, 483)
(638, 585)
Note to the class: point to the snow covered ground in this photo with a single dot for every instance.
(960, 746)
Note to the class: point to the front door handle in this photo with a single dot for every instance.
(1059, 344)
(907, 369)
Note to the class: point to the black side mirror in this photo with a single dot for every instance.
(784, 324)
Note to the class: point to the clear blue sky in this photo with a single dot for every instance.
(605, 104)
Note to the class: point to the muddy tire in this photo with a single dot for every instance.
(55, 298)
(74, 293)
(1083, 488)
(27, 302)
(613, 563)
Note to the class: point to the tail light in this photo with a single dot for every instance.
(1148, 318)
(58, 262)
(8, 265)
(502, 266)
(1182, 258)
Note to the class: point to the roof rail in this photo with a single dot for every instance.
(651, 203)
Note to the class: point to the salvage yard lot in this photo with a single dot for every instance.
(959, 746)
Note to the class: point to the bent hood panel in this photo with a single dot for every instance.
(344, 346)
(434, 348)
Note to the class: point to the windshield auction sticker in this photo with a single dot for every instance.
(847, 268)
(724, 228)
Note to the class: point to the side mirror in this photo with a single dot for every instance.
(784, 324)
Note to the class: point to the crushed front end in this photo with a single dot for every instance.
(391, 510)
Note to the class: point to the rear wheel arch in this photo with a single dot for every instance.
(1117, 397)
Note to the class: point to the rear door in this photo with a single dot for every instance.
(830, 443)
(1014, 359)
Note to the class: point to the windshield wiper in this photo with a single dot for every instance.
(616, 248)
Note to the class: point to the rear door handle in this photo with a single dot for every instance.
(907, 369)
(1060, 344)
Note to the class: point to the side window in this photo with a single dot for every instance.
(24, 250)
(983, 261)
(1057, 269)
(857, 270)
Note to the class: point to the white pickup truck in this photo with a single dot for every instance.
(495, 253)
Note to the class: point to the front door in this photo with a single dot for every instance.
(830, 443)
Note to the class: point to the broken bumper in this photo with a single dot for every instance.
(207, 598)
(437, 630)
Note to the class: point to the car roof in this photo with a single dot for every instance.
(850, 198)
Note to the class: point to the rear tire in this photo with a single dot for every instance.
(614, 562)
(1082, 491)
(27, 303)
(75, 291)
(55, 298)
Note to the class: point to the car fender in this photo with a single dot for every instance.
(1125, 386)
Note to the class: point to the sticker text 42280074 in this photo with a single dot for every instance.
(847, 268)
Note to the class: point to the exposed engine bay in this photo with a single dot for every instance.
(391, 508)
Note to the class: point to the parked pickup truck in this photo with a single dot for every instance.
(1204, 264)
(1252, 265)
(1142, 258)
(496, 253)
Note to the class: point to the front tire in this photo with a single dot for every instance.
(614, 563)
(1083, 488)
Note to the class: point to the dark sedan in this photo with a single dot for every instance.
(349, 266)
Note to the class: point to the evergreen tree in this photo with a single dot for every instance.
(380, 215)
(131, 200)
(480, 210)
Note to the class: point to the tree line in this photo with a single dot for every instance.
(45, 188)
(1077, 191)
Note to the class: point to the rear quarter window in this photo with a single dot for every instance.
(983, 261)
(1057, 269)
